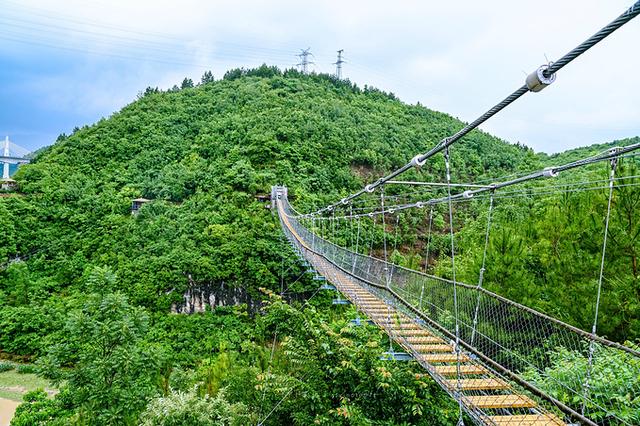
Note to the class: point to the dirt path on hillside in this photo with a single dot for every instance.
(7, 408)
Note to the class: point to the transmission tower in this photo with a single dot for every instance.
(304, 60)
(338, 65)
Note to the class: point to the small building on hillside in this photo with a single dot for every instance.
(137, 203)
(264, 198)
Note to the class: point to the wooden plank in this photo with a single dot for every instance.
(527, 420)
(452, 370)
(421, 332)
(404, 326)
(393, 316)
(417, 340)
(499, 401)
(432, 348)
(443, 357)
(478, 384)
(414, 337)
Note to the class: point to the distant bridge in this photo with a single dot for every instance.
(12, 154)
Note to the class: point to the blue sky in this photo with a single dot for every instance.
(69, 63)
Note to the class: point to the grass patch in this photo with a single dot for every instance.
(14, 396)
(13, 384)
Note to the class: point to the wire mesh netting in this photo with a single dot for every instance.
(545, 352)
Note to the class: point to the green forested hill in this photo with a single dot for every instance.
(203, 153)
(79, 267)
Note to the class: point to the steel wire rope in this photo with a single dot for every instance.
(614, 163)
(482, 270)
(551, 69)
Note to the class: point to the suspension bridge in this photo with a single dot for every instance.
(12, 154)
(481, 348)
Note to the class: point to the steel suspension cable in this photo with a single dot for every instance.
(455, 292)
(384, 235)
(426, 260)
(355, 258)
(373, 230)
(549, 172)
(482, 269)
(537, 80)
(628, 15)
(351, 225)
(614, 163)
(395, 248)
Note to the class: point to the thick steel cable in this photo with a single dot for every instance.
(545, 173)
(494, 364)
(629, 14)
(614, 163)
(503, 194)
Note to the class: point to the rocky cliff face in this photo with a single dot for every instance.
(198, 297)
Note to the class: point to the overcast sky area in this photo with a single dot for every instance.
(69, 63)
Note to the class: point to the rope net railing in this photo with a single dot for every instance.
(546, 353)
(392, 318)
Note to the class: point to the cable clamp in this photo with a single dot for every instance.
(536, 81)
(419, 204)
(344, 201)
(369, 188)
(549, 172)
(467, 194)
(415, 161)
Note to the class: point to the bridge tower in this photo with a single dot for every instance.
(10, 153)
(5, 153)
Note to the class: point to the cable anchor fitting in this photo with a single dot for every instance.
(549, 172)
(537, 80)
(416, 162)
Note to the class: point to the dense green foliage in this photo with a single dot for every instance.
(77, 264)
(202, 154)
(545, 246)
(611, 372)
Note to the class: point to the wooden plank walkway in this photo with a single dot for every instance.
(487, 398)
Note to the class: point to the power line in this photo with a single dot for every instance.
(535, 82)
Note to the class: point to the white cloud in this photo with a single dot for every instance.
(458, 57)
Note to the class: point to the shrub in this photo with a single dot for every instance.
(6, 366)
(26, 368)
